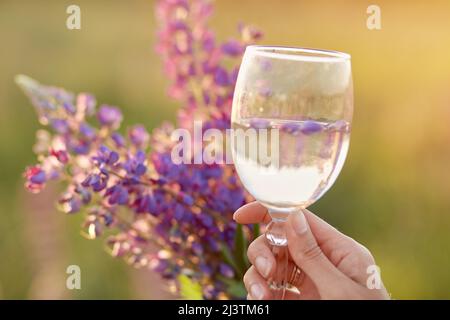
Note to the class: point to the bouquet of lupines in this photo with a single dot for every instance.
(126, 181)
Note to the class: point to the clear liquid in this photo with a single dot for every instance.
(309, 157)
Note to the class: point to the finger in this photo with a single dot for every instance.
(323, 232)
(258, 289)
(256, 285)
(307, 254)
(295, 276)
(346, 254)
(252, 213)
(300, 280)
(260, 256)
(307, 288)
(303, 295)
(292, 295)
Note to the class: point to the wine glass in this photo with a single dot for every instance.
(292, 110)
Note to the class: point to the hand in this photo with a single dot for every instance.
(333, 265)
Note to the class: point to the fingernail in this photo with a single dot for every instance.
(234, 215)
(256, 291)
(262, 265)
(299, 223)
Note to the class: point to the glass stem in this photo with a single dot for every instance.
(276, 237)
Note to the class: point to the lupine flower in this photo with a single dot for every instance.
(129, 184)
(35, 179)
(139, 135)
(310, 127)
(109, 116)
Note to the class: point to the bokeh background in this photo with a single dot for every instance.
(393, 194)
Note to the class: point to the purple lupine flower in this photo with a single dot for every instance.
(259, 123)
(233, 48)
(206, 269)
(35, 175)
(226, 270)
(234, 75)
(109, 116)
(69, 107)
(197, 248)
(96, 181)
(118, 139)
(265, 92)
(118, 195)
(310, 127)
(86, 104)
(221, 77)
(106, 156)
(61, 155)
(87, 131)
(186, 209)
(139, 135)
(84, 194)
(187, 199)
(208, 41)
(135, 166)
(35, 179)
(249, 34)
(74, 205)
(108, 218)
(340, 125)
(291, 127)
(60, 126)
(78, 147)
(265, 64)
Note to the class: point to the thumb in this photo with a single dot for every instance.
(307, 254)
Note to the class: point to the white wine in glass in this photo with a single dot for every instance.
(297, 105)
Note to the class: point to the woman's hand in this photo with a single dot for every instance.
(333, 265)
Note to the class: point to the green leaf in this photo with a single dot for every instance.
(234, 288)
(240, 248)
(189, 289)
(229, 258)
(238, 258)
(237, 290)
(256, 231)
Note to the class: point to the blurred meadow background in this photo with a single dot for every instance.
(392, 195)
